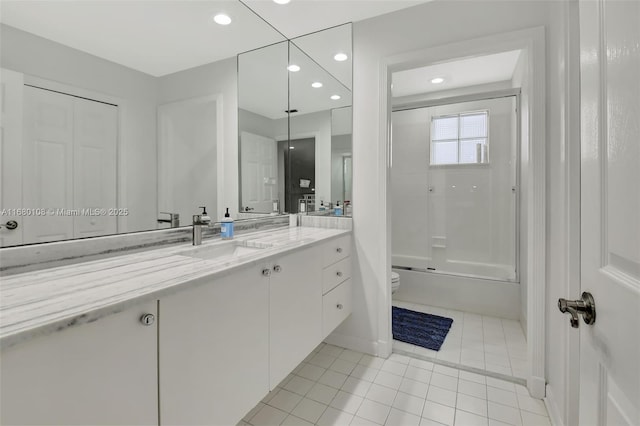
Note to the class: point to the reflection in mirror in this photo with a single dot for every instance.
(300, 177)
(105, 132)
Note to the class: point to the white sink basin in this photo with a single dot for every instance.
(227, 249)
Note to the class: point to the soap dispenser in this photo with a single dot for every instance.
(226, 226)
(338, 209)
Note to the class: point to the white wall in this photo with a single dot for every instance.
(421, 27)
(136, 96)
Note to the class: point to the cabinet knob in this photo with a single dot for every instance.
(266, 272)
(339, 273)
(339, 306)
(277, 268)
(339, 249)
(147, 319)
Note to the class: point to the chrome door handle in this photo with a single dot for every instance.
(585, 307)
(11, 224)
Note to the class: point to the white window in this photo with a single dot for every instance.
(460, 138)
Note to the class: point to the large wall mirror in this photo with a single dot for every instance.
(121, 116)
(294, 125)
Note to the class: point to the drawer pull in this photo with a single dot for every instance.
(339, 306)
(339, 249)
(339, 273)
(266, 272)
(277, 268)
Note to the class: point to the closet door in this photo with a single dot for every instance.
(47, 166)
(94, 167)
(68, 167)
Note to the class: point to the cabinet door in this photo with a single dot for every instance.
(213, 350)
(295, 311)
(101, 373)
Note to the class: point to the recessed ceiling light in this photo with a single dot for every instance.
(281, 1)
(222, 19)
(316, 85)
(437, 80)
(340, 57)
(293, 68)
(335, 97)
(292, 147)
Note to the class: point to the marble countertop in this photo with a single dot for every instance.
(48, 300)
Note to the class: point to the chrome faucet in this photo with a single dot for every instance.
(200, 220)
(174, 219)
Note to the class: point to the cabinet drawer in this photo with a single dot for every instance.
(336, 306)
(335, 274)
(336, 249)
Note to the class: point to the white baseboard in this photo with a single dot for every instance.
(354, 343)
(552, 408)
(537, 386)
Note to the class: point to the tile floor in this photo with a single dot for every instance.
(335, 386)
(479, 341)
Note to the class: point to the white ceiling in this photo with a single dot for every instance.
(160, 37)
(456, 74)
(306, 16)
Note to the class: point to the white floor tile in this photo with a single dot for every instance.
(343, 366)
(500, 384)
(394, 367)
(311, 372)
(473, 377)
(333, 379)
(322, 360)
(322, 393)
(295, 421)
(388, 379)
(402, 359)
(441, 396)
(371, 361)
(299, 385)
(477, 390)
(438, 412)
(268, 416)
(285, 400)
(373, 411)
(409, 403)
(502, 397)
(530, 419)
(444, 382)
(414, 387)
(447, 371)
(401, 418)
(309, 410)
(420, 363)
(419, 374)
(253, 412)
(331, 350)
(464, 418)
(365, 373)
(351, 356)
(359, 421)
(472, 404)
(504, 414)
(333, 417)
(381, 394)
(356, 386)
(535, 406)
(347, 402)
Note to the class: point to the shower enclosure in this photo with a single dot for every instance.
(454, 181)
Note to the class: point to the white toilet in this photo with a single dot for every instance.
(395, 282)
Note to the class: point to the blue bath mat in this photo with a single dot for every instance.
(417, 328)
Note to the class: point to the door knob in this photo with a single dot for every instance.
(585, 307)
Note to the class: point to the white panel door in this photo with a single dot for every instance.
(47, 167)
(259, 169)
(11, 98)
(95, 136)
(610, 257)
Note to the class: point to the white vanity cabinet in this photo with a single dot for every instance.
(214, 350)
(295, 310)
(336, 283)
(100, 373)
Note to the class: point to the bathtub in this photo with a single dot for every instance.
(500, 298)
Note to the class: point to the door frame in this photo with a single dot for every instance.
(532, 43)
